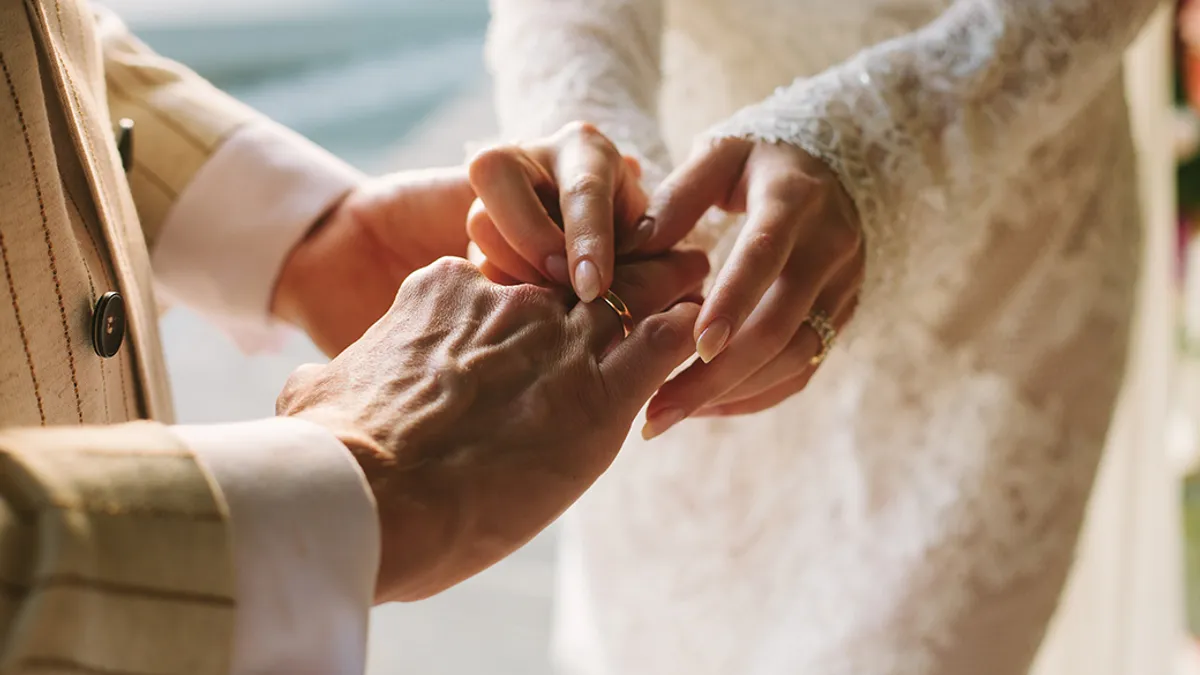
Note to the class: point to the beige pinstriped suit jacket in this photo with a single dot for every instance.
(114, 544)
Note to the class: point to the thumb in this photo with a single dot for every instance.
(634, 369)
(707, 179)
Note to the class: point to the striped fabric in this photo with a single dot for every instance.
(114, 544)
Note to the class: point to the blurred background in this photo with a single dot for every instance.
(385, 84)
(394, 84)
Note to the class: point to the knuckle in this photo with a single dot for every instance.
(581, 128)
(586, 186)
(489, 162)
(528, 300)
(612, 156)
(589, 134)
(587, 241)
(606, 148)
(417, 279)
(763, 246)
(479, 221)
(665, 335)
(450, 265)
(294, 389)
(437, 274)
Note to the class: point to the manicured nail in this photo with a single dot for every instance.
(712, 340)
(641, 234)
(587, 280)
(659, 423)
(556, 267)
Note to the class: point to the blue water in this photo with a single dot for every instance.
(355, 76)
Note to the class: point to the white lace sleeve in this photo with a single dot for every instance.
(923, 121)
(557, 61)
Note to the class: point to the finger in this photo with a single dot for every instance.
(505, 179)
(487, 237)
(647, 287)
(769, 330)
(760, 402)
(784, 215)
(633, 227)
(587, 171)
(493, 273)
(837, 301)
(707, 179)
(633, 166)
(794, 362)
(635, 368)
(475, 254)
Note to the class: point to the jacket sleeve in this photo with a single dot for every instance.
(141, 548)
(115, 554)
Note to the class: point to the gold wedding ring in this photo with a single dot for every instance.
(823, 327)
(618, 305)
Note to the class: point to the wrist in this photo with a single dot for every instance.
(336, 257)
(288, 293)
(413, 503)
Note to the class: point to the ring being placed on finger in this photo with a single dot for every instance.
(823, 327)
(618, 305)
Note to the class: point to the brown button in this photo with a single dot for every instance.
(125, 143)
(108, 324)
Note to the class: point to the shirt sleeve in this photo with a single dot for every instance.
(225, 238)
(305, 543)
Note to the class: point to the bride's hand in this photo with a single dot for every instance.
(799, 255)
(555, 209)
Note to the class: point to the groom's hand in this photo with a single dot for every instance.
(480, 412)
(344, 275)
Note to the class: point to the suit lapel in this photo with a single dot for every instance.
(91, 134)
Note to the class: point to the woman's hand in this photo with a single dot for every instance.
(556, 210)
(798, 258)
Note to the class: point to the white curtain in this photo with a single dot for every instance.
(1123, 610)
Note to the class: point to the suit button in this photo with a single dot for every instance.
(108, 324)
(125, 143)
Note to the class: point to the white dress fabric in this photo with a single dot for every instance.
(915, 509)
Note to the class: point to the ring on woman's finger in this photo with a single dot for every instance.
(823, 327)
(618, 305)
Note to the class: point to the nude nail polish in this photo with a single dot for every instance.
(712, 341)
(587, 280)
(556, 267)
(660, 423)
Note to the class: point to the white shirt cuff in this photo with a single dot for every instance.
(225, 239)
(305, 543)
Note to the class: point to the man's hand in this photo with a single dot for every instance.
(344, 275)
(479, 412)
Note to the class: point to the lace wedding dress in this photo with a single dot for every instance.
(915, 509)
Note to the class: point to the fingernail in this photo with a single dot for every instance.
(556, 267)
(587, 280)
(641, 233)
(713, 340)
(659, 423)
